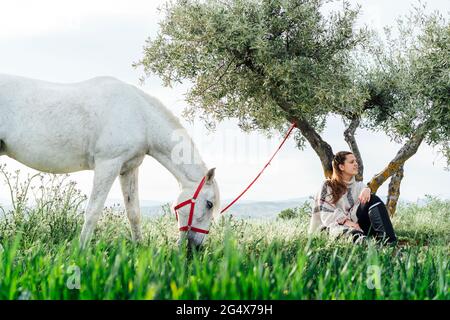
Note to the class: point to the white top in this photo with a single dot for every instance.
(329, 215)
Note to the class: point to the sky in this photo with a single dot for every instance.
(70, 41)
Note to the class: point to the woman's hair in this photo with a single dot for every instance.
(337, 183)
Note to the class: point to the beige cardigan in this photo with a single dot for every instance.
(329, 215)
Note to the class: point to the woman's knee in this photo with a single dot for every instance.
(374, 199)
(364, 207)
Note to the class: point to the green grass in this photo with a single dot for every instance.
(40, 259)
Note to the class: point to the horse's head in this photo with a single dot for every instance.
(195, 207)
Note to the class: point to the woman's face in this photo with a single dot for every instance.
(350, 166)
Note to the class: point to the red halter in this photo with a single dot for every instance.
(192, 200)
(191, 213)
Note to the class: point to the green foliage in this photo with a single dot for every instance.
(56, 199)
(265, 62)
(287, 214)
(301, 212)
(409, 81)
(425, 223)
(261, 61)
(241, 259)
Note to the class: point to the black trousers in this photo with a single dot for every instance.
(373, 218)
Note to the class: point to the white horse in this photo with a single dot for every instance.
(108, 126)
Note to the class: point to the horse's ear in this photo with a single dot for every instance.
(210, 175)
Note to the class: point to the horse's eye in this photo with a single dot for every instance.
(209, 204)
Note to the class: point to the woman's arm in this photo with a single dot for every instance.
(351, 224)
(329, 214)
(364, 196)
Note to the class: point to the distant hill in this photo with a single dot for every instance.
(241, 209)
(263, 209)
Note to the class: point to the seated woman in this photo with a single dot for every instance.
(344, 206)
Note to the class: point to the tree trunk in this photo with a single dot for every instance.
(394, 191)
(321, 147)
(349, 135)
(405, 152)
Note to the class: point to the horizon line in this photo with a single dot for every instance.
(303, 198)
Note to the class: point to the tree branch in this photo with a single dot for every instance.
(349, 136)
(394, 191)
(218, 79)
(405, 152)
(321, 147)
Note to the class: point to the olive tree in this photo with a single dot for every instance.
(409, 92)
(266, 63)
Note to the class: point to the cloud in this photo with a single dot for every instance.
(25, 18)
(68, 41)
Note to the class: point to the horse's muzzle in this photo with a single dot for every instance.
(195, 239)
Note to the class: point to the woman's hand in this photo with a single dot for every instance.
(364, 196)
(353, 225)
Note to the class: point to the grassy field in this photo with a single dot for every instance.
(271, 259)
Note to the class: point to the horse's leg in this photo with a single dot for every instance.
(105, 173)
(129, 183)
